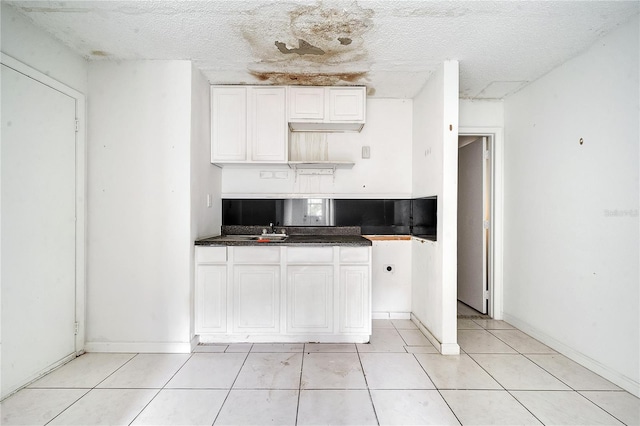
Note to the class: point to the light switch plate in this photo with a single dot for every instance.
(366, 152)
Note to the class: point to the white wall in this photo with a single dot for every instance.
(387, 174)
(391, 291)
(139, 234)
(206, 218)
(36, 48)
(571, 210)
(481, 113)
(435, 172)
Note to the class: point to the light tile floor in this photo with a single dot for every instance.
(502, 377)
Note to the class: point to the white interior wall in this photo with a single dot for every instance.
(23, 41)
(139, 239)
(387, 174)
(206, 217)
(481, 113)
(435, 170)
(571, 210)
(391, 291)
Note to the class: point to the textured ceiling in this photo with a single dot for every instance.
(389, 46)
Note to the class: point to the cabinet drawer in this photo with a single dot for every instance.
(308, 255)
(211, 254)
(256, 255)
(354, 254)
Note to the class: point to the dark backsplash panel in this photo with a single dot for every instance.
(252, 212)
(424, 221)
(375, 217)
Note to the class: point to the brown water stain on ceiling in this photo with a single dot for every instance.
(308, 79)
(309, 44)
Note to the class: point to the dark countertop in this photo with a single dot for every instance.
(292, 240)
(306, 236)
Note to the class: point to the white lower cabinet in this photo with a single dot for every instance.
(211, 290)
(355, 306)
(256, 299)
(283, 294)
(310, 299)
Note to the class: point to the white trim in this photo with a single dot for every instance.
(284, 338)
(141, 347)
(496, 277)
(443, 348)
(35, 377)
(394, 196)
(615, 377)
(38, 76)
(80, 184)
(391, 315)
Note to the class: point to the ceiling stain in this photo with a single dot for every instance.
(101, 53)
(304, 48)
(308, 79)
(331, 43)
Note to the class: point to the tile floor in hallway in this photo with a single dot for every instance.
(501, 377)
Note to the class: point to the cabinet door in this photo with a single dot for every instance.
(355, 311)
(228, 124)
(211, 299)
(268, 124)
(256, 298)
(310, 299)
(306, 103)
(346, 104)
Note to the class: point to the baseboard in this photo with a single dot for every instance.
(391, 315)
(618, 379)
(194, 342)
(140, 347)
(443, 348)
(37, 376)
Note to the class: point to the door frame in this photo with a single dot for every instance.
(495, 141)
(80, 189)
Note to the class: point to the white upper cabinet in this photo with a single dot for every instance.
(248, 124)
(306, 103)
(326, 109)
(228, 124)
(268, 124)
(346, 104)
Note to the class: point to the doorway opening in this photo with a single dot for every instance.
(480, 223)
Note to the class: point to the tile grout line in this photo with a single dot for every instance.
(436, 388)
(571, 389)
(161, 388)
(90, 389)
(504, 388)
(231, 388)
(366, 382)
(602, 408)
(300, 382)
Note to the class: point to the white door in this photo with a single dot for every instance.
(256, 296)
(355, 312)
(268, 124)
(472, 215)
(310, 299)
(228, 124)
(38, 228)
